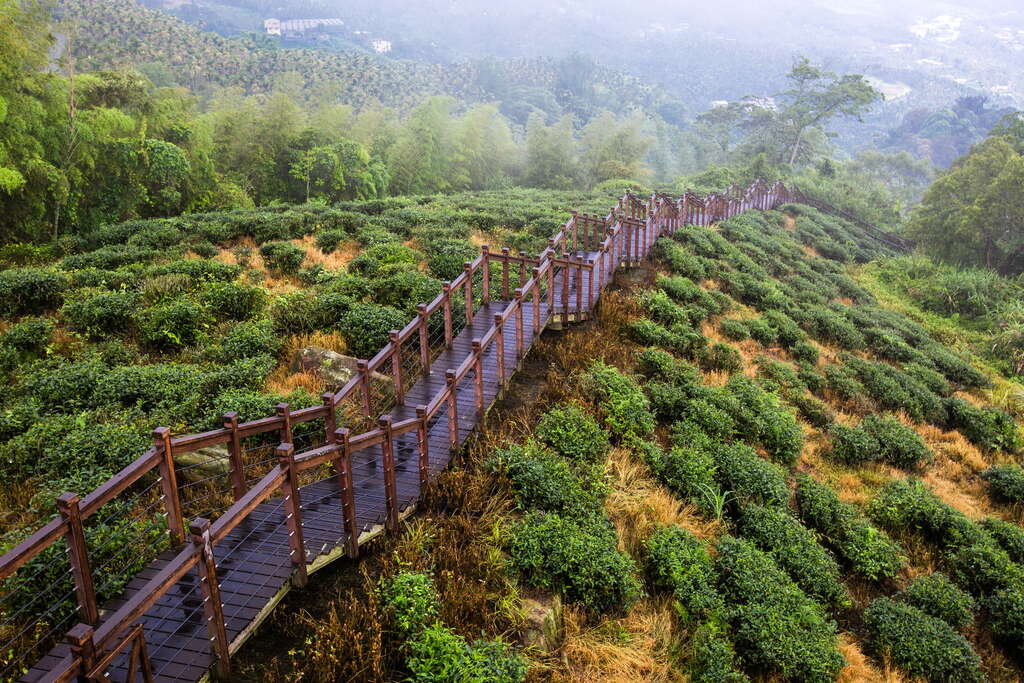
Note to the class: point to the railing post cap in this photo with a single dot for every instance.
(199, 526)
(393, 334)
(160, 433)
(281, 408)
(341, 433)
(284, 449)
(67, 500)
(362, 364)
(421, 410)
(476, 343)
(384, 420)
(80, 635)
(485, 248)
(422, 308)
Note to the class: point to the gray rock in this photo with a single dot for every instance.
(212, 461)
(333, 368)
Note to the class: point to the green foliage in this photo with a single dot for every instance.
(234, 300)
(329, 240)
(249, 340)
(712, 656)
(865, 549)
(1009, 536)
(1005, 482)
(30, 336)
(622, 404)
(937, 596)
(573, 434)
(987, 428)
(761, 417)
(679, 562)
(26, 291)
(690, 473)
(98, 313)
(542, 480)
(817, 413)
(919, 644)
(439, 655)
(577, 558)
(283, 257)
(384, 259)
(736, 330)
(775, 626)
(879, 439)
(411, 601)
(172, 325)
(722, 357)
(446, 259)
(366, 327)
(804, 352)
(796, 550)
(1006, 616)
(751, 478)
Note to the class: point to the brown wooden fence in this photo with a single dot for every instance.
(301, 488)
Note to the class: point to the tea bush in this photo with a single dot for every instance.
(384, 259)
(762, 332)
(30, 336)
(573, 434)
(26, 291)
(751, 478)
(761, 417)
(919, 644)
(248, 340)
(1005, 482)
(234, 300)
(690, 473)
(438, 654)
(712, 656)
(721, 357)
(661, 308)
(817, 413)
(329, 240)
(865, 549)
(987, 428)
(173, 325)
(804, 352)
(622, 404)
(366, 327)
(544, 481)
(1006, 616)
(796, 550)
(299, 312)
(1009, 536)
(984, 567)
(776, 627)
(879, 439)
(937, 596)
(410, 600)
(679, 260)
(446, 259)
(735, 330)
(196, 270)
(679, 562)
(283, 257)
(577, 558)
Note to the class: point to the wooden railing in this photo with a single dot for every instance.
(587, 249)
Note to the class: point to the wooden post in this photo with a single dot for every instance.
(396, 365)
(566, 272)
(478, 377)
(423, 443)
(387, 449)
(499, 348)
(485, 294)
(446, 303)
(285, 413)
(536, 302)
(504, 273)
(469, 292)
(293, 513)
(169, 485)
(209, 587)
(343, 470)
(551, 287)
(522, 268)
(519, 324)
(330, 417)
(363, 368)
(235, 455)
(579, 285)
(590, 287)
(78, 553)
(83, 647)
(139, 657)
(421, 309)
(453, 409)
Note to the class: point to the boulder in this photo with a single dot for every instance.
(333, 368)
(213, 461)
(542, 622)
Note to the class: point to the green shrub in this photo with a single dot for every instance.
(250, 339)
(404, 290)
(283, 257)
(385, 259)
(544, 481)
(776, 627)
(1005, 482)
(984, 567)
(60, 385)
(831, 326)
(954, 367)
(932, 379)
(736, 330)
(865, 549)
(410, 600)
(840, 381)
(439, 655)
(810, 377)
(98, 313)
(919, 644)
(817, 413)
(679, 562)
(796, 550)
(234, 300)
(776, 374)
(577, 558)
(329, 240)
(712, 656)
(762, 332)
(622, 404)
(1009, 536)
(172, 325)
(722, 357)
(751, 478)
(1006, 616)
(299, 312)
(761, 417)
(25, 291)
(661, 308)
(690, 473)
(787, 332)
(109, 257)
(879, 439)
(30, 336)
(573, 434)
(679, 260)
(197, 270)
(366, 328)
(937, 596)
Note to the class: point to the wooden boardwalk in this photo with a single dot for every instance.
(193, 606)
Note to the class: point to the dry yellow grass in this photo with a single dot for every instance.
(789, 223)
(636, 647)
(860, 669)
(283, 381)
(332, 341)
(336, 260)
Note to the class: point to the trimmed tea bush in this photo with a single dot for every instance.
(542, 480)
(679, 562)
(751, 478)
(1005, 482)
(329, 240)
(865, 549)
(1009, 536)
(776, 627)
(385, 259)
(250, 339)
(796, 550)
(30, 336)
(173, 325)
(366, 327)
(234, 300)
(690, 473)
(919, 644)
(761, 417)
(721, 357)
(987, 428)
(712, 656)
(623, 406)
(283, 257)
(735, 330)
(573, 434)
(937, 596)
(25, 291)
(576, 558)
(1006, 616)
(879, 439)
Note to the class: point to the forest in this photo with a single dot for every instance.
(781, 449)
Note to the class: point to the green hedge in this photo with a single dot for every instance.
(573, 433)
(679, 562)
(937, 596)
